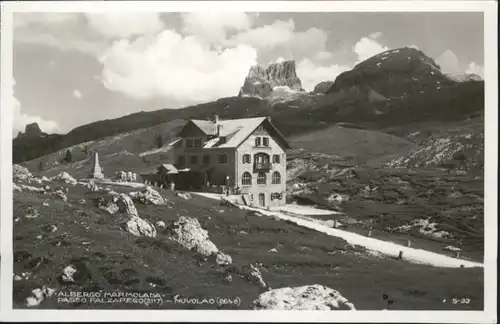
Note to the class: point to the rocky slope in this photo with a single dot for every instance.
(280, 76)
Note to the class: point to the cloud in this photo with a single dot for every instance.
(65, 44)
(474, 68)
(172, 66)
(375, 35)
(266, 37)
(414, 46)
(77, 94)
(22, 19)
(124, 24)
(214, 27)
(448, 61)
(311, 74)
(367, 47)
(20, 120)
(323, 56)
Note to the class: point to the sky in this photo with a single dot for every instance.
(72, 69)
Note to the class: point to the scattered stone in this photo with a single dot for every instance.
(274, 250)
(82, 202)
(68, 273)
(20, 173)
(31, 189)
(229, 278)
(44, 179)
(149, 196)
(45, 204)
(184, 195)
(59, 193)
(39, 295)
(160, 224)
(256, 275)
(15, 187)
(223, 259)
(312, 297)
(452, 248)
(65, 177)
(47, 187)
(109, 206)
(32, 213)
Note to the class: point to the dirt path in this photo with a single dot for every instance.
(388, 248)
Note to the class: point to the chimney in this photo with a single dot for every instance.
(268, 118)
(215, 119)
(218, 130)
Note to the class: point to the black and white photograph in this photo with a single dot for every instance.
(253, 158)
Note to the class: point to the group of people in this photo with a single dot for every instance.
(123, 176)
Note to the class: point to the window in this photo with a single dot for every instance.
(206, 159)
(261, 178)
(266, 141)
(181, 160)
(197, 142)
(276, 195)
(260, 128)
(193, 159)
(276, 178)
(247, 158)
(276, 158)
(257, 141)
(222, 158)
(246, 180)
(189, 142)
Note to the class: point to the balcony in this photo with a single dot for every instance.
(262, 166)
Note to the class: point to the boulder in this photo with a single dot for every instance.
(126, 205)
(310, 297)
(149, 196)
(140, 227)
(184, 195)
(188, 232)
(223, 259)
(68, 273)
(39, 295)
(109, 206)
(61, 194)
(65, 177)
(32, 213)
(256, 275)
(20, 173)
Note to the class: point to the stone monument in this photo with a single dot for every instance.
(96, 172)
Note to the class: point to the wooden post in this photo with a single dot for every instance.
(370, 232)
(458, 254)
(409, 243)
(334, 223)
(400, 257)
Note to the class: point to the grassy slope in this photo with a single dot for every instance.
(115, 259)
(358, 144)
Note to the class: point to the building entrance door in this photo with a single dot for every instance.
(262, 200)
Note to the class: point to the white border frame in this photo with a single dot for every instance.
(491, 137)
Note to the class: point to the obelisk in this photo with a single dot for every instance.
(96, 172)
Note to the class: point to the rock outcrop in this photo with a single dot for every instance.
(261, 81)
(39, 295)
(323, 87)
(148, 196)
(188, 232)
(65, 177)
(313, 297)
(31, 131)
(20, 173)
(464, 77)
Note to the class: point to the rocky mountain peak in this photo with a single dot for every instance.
(261, 82)
(31, 130)
(395, 73)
